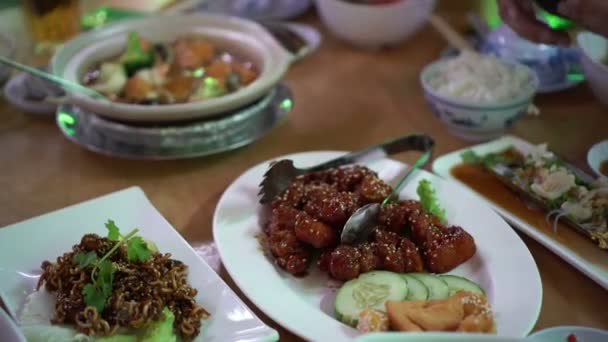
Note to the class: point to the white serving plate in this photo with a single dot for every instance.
(8, 328)
(305, 305)
(597, 155)
(23, 247)
(241, 37)
(595, 271)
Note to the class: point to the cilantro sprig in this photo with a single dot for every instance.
(97, 292)
(85, 259)
(489, 160)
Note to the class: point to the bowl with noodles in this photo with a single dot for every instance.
(102, 281)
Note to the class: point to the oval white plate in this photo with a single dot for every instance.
(502, 265)
(597, 155)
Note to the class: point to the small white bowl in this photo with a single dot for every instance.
(597, 155)
(239, 36)
(375, 26)
(473, 121)
(595, 55)
(583, 334)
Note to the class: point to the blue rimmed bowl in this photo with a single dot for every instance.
(475, 121)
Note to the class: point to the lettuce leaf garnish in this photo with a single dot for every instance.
(429, 200)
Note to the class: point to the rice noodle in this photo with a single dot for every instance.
(556, 220)
(551, 213)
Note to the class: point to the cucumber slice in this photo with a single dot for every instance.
(415, 288)
(457, 283)
(370, 290)
(438, 288)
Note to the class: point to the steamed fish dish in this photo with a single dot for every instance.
(113, 288)
(189, 69)
(566, 193)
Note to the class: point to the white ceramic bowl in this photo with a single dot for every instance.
(473, 121)
(595, 55)
(597, 155)
(239, 36)
(583, 334)
(374, 26)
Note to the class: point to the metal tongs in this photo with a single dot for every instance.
(282, 172)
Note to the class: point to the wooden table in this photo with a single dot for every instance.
(344, 99)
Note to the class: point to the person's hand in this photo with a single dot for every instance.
(592, 15)
(520, 16)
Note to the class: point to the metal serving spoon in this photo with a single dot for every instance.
(361, 222)
(282, 172)
(68, 85)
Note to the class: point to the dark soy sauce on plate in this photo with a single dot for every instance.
(604, 168)
(490, 187)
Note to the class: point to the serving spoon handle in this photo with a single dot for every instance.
(68, 85)
(363, 221)
(450, 34)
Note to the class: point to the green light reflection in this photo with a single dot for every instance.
(286, 104)
(67, 121)
(198, 73)
(556, 22)
(576, 77)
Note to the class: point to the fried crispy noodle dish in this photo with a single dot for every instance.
(311, 214)
(132, 286)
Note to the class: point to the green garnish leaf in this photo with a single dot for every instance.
(557, 203)
(97, 293)
(113, 231)
(135, 57)
(94, 297)
(137, 249)
(470, 157)
(428, 199)
(85, 259)
(106, 277)
(489, 160)
(580, 182)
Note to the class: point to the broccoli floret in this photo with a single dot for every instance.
(135, 57)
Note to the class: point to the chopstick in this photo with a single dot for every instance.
(182, 6)
(4, 306)
(449, 33)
